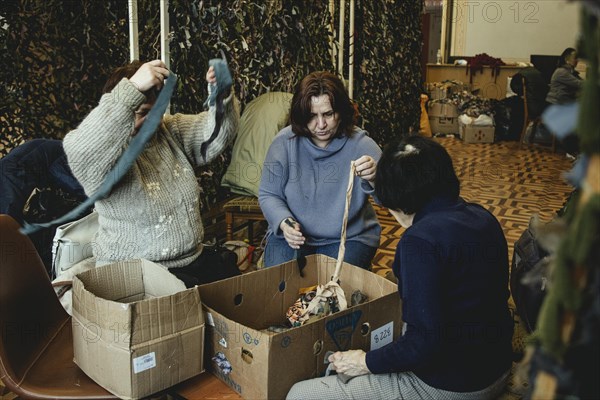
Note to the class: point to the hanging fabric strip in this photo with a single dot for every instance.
(136, 146)
(342, 249)
(224, 82)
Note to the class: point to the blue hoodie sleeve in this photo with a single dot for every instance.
(271, 196)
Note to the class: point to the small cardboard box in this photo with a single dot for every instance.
(443, 118)
(136, 329)
(261, 364)
(438, 92)
(477, 134)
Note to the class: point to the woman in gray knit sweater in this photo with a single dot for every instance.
(153, 212)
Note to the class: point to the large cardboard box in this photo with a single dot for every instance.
(477, 134)
(443, 118)
(265, 365)
(136, 329)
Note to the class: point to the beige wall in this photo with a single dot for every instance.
(512, 30)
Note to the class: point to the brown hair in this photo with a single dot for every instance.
(314, 85)
(126, 71)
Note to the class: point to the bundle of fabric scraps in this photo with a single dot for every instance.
(473, 105)
(476, 64)
(296, 315)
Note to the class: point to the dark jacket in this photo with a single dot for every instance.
(452, 269)
(536, 89)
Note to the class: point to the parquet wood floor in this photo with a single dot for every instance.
(513, 183)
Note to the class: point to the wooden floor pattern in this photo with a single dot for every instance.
(513, 183)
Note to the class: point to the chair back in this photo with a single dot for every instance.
(30, 313)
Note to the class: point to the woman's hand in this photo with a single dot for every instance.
(211, 77)
(291, 232)
(149, 75)
(366, 168)
(351, 362)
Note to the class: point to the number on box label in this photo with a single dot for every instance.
(382, 335)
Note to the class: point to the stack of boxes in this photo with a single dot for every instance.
(444, 116)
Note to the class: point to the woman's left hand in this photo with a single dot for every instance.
(351, 362)
(366, 168)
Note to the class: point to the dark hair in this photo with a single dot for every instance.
(314, 85)
(562, 60)
(126, 71)
(412, 172)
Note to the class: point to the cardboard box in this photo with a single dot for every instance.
(136, 329)
(443, 118)
(477, 134)
(442, 90)
(265, 365)
(438, 92)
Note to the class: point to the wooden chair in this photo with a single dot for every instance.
(36, 343)
(242, 207)
(527, 119)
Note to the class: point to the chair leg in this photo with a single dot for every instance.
(523, 132)
(229, 225)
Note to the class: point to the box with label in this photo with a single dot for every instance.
(443, 117)
(477, 134)
(136, 328)
(263, 363)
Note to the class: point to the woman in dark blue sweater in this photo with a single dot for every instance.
(452, 270)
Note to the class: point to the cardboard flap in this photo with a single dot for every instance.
(114, 281)
(93, 312)
(158, 281)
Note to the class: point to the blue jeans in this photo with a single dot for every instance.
(279, 251)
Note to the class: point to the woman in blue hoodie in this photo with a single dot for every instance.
(452, 270)
(305, 175)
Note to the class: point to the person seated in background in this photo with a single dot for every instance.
(566, 82)
(565, 86)
(302, 191)
(452, 270)
(154, 211)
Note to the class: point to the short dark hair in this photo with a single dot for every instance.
(562, 60)
(126, 71)
(412, 172)
(314, 85)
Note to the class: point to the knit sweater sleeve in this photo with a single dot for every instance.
(566, 78)
(421, 287)
(94, 147)
(191, 130)
(271, 194)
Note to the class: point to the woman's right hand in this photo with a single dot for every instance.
(149, 75)
(291, 232)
